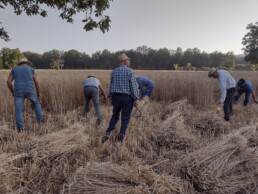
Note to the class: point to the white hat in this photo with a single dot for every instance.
(212, 71)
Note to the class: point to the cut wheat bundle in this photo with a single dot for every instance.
(111, 178)
(228, 165)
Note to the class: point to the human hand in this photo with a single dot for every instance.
(109, 101)
(39, 96)
(218, 103)
(136, 104)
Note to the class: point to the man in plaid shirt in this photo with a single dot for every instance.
(124, 94)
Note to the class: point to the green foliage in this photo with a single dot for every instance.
(142, 58)
(10, 57)
(35, 58)
(250, 42)
(93, 9)
(253, 67)
(176, 66)
(57, 64)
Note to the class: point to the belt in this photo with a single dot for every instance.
(90, 87)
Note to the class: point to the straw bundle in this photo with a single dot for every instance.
(46, 161)
(111, 178)
(209, 124)
(176, 108)
(173, 132)
(225, 166)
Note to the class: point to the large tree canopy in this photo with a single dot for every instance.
(250, 41)
(93, 9)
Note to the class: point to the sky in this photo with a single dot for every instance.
(210, 25)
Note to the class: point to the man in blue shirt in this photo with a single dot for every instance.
(245, 86)
(24, 80)
(123, 92)
(146, 85)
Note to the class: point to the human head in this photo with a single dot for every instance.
(122, 58)
(241, 82)
(24, 61)
(91, 75)
(213, 72)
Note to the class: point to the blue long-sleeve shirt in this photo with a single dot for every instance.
(122, 81)
(144, 81)
(247, 88)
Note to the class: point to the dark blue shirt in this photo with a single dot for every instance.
(23, 78)
(144, 82)
(246, 88)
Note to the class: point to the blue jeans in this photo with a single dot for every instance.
(121, 103)
(247, 96)
(92, 93)
(148, 91)
(19, 97)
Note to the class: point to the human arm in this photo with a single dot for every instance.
(9, 83)
(37, 86)
(237, 96)
(254, 97)
(133, 88)
(102, 91)
(223, 88)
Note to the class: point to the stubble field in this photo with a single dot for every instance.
(180, 144)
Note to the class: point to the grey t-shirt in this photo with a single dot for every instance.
(23, 78)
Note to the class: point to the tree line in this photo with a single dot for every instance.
(143, 57)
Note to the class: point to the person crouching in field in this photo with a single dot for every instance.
(245, 86)
(227, 86)
(24, 81)
(124, 94)
(91, 87)
(146, 86)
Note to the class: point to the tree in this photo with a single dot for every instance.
(52, 57)
(93, 9)
(35, 58)
(250, 41)
(10, 57)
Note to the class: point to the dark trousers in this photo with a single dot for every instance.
(121, 103)
(228, 103)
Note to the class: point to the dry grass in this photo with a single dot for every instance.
(177, 146)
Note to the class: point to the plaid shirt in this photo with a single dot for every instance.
(123, 81)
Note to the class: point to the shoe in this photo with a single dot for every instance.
(227, 119)
(105, 137)
(19, 130)
(120, 138)
(98, 122)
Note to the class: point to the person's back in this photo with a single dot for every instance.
(226, 79)
(91, 81)
(23, 78)
(144, 81)
(120, 80)
(248, 87)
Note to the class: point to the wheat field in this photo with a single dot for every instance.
(180, 144)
